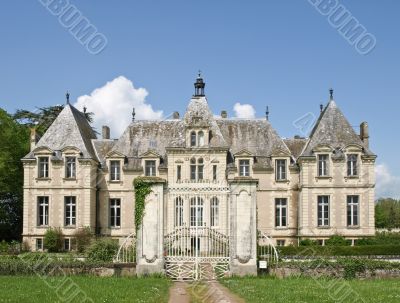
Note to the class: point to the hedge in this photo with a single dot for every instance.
(372, 250)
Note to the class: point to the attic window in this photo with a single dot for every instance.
(150, 168)
(244, 168)
(193, 138)
(201, 138)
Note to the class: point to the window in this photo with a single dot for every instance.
(67, 244)
(201, 138)
(323, 165)
(70, 167)
(244, 168)
(280, 169)
(280, 242)
(178, 172)
(280, 212)
(193, 138)
(39, 244)
(196, 211)
(115, 212)
(70, 211)
(200, 169)
(214, 211)
(43, 211)
(43, 167)
(214, 172)
(193, 169)
(323, 210)
(178, 211)
(352, 165)
(115, 170)
(150, 168)
(352, 210)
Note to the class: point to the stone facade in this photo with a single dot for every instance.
(236, 176)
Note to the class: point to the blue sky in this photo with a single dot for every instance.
(283, 54)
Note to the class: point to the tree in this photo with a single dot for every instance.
(14, 144)
(387, 213)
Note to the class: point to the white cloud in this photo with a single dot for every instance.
(112, 105)
(387, 185)
(244, 111)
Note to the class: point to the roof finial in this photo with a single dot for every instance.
(199, 86)
(84, 109)
(133, 114)
(321, 107)
(331, 93)
(199, 74)
(267, 113)
(67, 97)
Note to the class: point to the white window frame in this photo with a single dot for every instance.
(70, 208)
(37, 242)
(214, 212)
(323, 203)
(279, 217)
(244, 167)
(281, 171)
(193, 138)
(70, 167)
(115, 212)
(43, 211)
(149, 169)
(115, 170)
(43, 167)
(353, 210)
(179, 211)
(323, 165)
(352, 165)
(201, 138)
(196, 212)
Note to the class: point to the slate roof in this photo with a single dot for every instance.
(334, 130)
(295, 145)
(70, 128)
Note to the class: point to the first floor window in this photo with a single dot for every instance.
(200, 169)
(179, 172)
(323, 165)
(178, 211)
(43, 211)
(352, 165)
(150, 168)
(70, 211)
(196, 211)
(115, 170)
(244, 168)
(280, 170)
(39, 244)
(214, 211)
(193, 169)
(214, 172)
(323, 210)
(43, 167)
(201, 138)
(70, 169)
(352, 210)
(280, 212)
(115, 212)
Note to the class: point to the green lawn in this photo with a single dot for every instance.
(259, 290)
(32, 289)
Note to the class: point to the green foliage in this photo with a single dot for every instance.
(340, 250)
(83, 237)
(142, 187)
(308, 242)
(387, 213)
(103, 249)
(337, 241)
(53, 240)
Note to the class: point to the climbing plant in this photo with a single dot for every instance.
(142, 187)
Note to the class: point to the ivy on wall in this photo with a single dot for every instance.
(142, 187)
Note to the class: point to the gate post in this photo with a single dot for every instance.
(150, 236)
(243, 226)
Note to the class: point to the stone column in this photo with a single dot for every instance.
(243, 231)
(150, 238)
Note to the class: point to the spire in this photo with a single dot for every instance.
(267, 113)
(331, 94)
(67, 97)
(199, 86)
(133, 114)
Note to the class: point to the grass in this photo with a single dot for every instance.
(33, 289)
(260, 290)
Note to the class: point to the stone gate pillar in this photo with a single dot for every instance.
(243, 231)
(150, 237)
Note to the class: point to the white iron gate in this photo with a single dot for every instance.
(196, 253)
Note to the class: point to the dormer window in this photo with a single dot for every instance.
(193, 138)
(43, 167)
(115, 170)
(201, 138)
(323, 165)
(280, 166)
(70, 167)
(352, 165)
(150, 168)
(244, 168)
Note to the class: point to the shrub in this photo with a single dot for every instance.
(102, 250)
(83, 238)
(337, 241)
(53, 240)
(308, 242)
(340, 250)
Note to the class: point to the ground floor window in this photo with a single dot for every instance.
(39, 244)
(280, 242)
(214, 211)
(178, 211)
(67, 244)
(352, 210)
(323, 211)
(196, 211)
(281, 212)
(115, 212)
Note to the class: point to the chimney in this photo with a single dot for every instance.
(175, 115)
(224, 114)
(364, 133)
(33, 138)
(106, 132)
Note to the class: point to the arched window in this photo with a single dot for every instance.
(196, 211)
(193, 169)
(214, 211)
(200, 168)
(201, 138)
(178, 211)
(193, 138)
